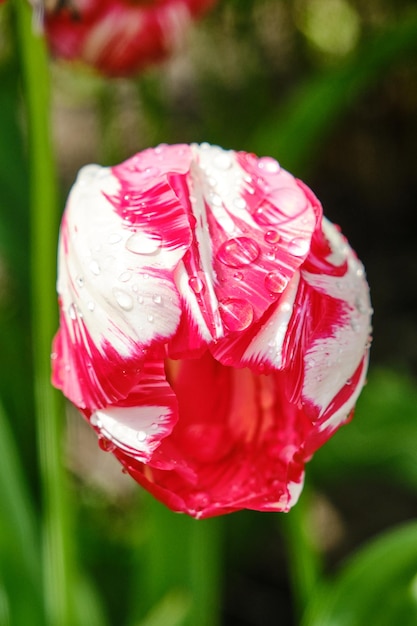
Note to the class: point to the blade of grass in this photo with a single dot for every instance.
(304, 562)
(179, 555)
(58, 557)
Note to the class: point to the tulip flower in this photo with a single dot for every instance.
(214, 326)
(120, 37)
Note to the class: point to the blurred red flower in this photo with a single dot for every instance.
(214, 327)
(120, 37)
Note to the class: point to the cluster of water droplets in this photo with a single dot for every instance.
(114, 434)
(240, 251)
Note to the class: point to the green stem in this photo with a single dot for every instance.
(58, 565)
(181, 558)
(303, 557)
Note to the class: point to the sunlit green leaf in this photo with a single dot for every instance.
(377, 586)
(381, 439)
(172, 610)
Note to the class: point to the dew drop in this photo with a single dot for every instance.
(298, 246)
(360, 306)
(200, 501)
(238, 252)
(268, 164)
(261, 216)
(238, 276)
(141, 436)
(144, 243)
(80, 281)
(72, 311)
(106, 444)
(151, 319)
(157, 299)
(95, 420)
(215, 199)
(123, 299)
(150, 171)
(197, 285)
(236, 314)
(240, 203)
(223, 161)
(94, 268)
(91, 306)
(125, 276)
(275, 282)
(272, 236)
(114, 238)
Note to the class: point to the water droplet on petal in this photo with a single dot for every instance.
(298, 246)
(106, 444)
(80, 281)
(141, 436)
(268, 164)
(223, 161)
(272, 236)
(114, 238)
(94, 268)
(236, 314)
(239, 203)
(150, 319)
(72, 311)
(125, 277)
(91, 306)
(95, 420)
(157, 299)
(215, 199)
(238, 275)
(238, 252)
(275, 282)
(123, 299)
(150, 171)
(144, 243)
(196, 284)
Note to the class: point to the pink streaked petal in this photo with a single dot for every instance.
(239, 438)
(117, 293)
(342, 335)
(91, 375)
(261, 347)
(252, 260)
(136, 425)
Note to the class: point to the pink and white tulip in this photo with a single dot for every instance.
(120, 37)
(214, 327)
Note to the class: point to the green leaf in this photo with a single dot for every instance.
(377, 586)
(172, 610)
(301, 127)
(380, 440)
(20, 560)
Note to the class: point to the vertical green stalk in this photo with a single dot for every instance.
(304, 561)
(181, 559)
(58, 565)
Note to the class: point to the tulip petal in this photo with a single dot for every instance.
(117, 293)
(214, 327)
(137, 424)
